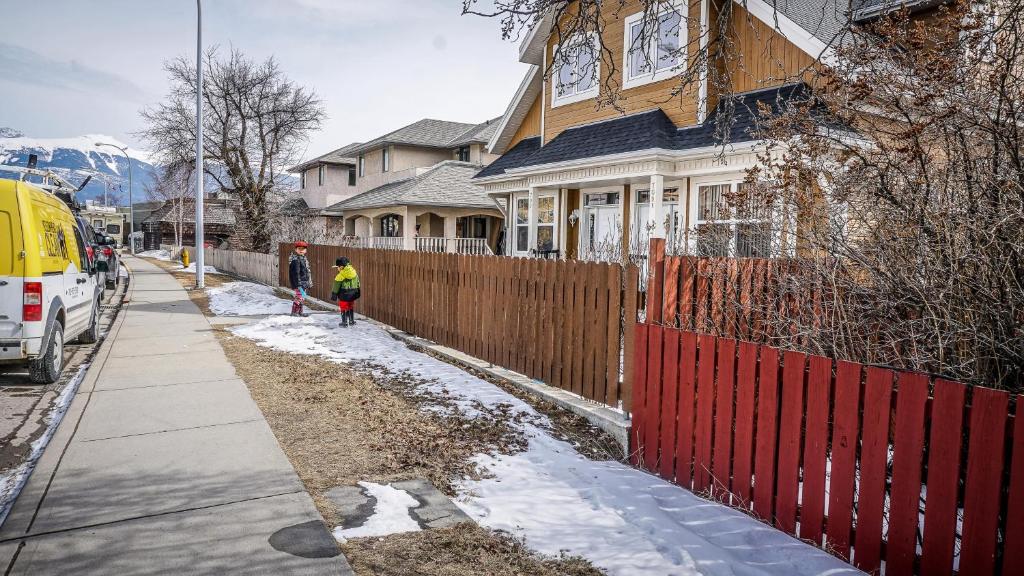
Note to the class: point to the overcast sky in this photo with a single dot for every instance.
(72, 67)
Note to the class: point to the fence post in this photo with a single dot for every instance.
(656, 281)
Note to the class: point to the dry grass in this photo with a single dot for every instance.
(339, 425)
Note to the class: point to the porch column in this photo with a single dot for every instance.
(409, 230)
(449, 233)
(531, 243)
(657, 212)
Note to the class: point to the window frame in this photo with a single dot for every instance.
(361, 163)
(516, 224)
(460, 154)
(302, 180)
(655, 75)
(775, 249)
(553, 224)
(385, 159)
(351, 176)
(320, 175)
(576, 96)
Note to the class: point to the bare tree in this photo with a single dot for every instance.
(175, 186)
(256, 123)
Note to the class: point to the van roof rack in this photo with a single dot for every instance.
(51, 181)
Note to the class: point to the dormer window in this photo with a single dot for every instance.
(463, 153)
(653, 46)
(577, 70)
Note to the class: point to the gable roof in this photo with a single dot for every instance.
(447, 184)
(517, 110)
(481, 133)
(652, 130)
(341, 156)
(215, 212)
(428, 133)
(864, 10)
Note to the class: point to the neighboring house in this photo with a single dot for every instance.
(594, 182)
(421, 174)
(174, 220)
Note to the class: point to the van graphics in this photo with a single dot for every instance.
(53, 241)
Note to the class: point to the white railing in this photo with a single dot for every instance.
(430, 244)
(476, 246)
(386, 242)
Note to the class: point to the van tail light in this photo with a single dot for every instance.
(108, 251)
(90, 253)
(33, 302)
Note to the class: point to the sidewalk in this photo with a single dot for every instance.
(163, 463)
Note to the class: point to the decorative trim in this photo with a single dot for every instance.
(515, 110)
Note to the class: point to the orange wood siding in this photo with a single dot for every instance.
(680, 106)
(530, 126)
(763, 58)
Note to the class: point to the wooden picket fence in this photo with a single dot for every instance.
(833, 451)
(568, 324)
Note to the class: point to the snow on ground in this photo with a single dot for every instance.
(157, 254)
(246, 299)
(12, 481)
(621, 519)
(191, 269)
(390, 514)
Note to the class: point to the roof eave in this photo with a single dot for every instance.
(503, 135)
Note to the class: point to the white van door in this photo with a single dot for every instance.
(79, 290)
(11, 284)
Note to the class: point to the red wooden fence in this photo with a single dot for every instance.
(872, 464)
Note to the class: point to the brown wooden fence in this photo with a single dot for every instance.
(869, 463)
(568, 324)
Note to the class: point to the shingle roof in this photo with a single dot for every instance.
(342, 155)
(480, 133)
(447, 183)
(651, 130)
(827, 20)
(214, 212)
(426, 132)
(294, 207)
(867, 9)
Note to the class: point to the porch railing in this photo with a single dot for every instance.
(430, 244)
(475, 246)
(386, 242)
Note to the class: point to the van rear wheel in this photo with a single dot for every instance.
(92, 333)
(47, 368)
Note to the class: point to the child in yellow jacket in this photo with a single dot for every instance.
(346, 290)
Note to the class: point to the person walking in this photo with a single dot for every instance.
(346, 290)
(299, 277)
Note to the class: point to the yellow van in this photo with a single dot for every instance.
(48, 294)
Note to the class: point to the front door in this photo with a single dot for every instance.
(602, 227)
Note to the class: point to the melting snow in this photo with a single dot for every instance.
(191, 269)
(246, 299)
(156, 254)
(623, 520)
(390, 514)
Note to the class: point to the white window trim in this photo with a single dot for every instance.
(583, 248)
(732, 181)
(654, 75)
(535, 220)
(514, 213)
(557, 100)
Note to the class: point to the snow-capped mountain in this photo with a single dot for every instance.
(78, 157)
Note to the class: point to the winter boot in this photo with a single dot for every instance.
(351, 318)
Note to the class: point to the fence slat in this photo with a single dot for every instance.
(1013, 563)
(873, 461)
(767, 433)
(812, 507)
(652, 397)
(639, 394)
(845, 433)
(721, 459)
(705, 412)
(687, 409)
(790, 427)
(613, 338)
(746, 391)
(987, 439)
(940, 515)
(907, 458)
(669, 404)
(670, 305)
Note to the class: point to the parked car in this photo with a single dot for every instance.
(93, 251)
(110, 258)
(49, 293)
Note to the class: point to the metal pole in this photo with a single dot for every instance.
(200, 255)
(131, 201)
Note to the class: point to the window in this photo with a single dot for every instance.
(464, 154)
(522, 224)
(641, 227)
(302, 180)
(385, 159)
(320, 175)
(97, 224)
(389, 226)
(578, 70)
(545, 223)
(113, 229)
(653, 48)
(362, 166)
(733, 220)
(351, 176)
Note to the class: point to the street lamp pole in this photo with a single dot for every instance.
(200, 250)
(131, 201)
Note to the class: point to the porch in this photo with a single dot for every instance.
(425, 229)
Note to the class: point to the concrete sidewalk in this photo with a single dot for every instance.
(163, 463)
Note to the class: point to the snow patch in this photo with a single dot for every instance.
(390, 514)
(246, 299)
(191, 269)
(156, 254)
(623, 520)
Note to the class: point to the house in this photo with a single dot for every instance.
(174, 223)
(413, 190)
(586, 180)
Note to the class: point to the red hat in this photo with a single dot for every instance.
(301, 244)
